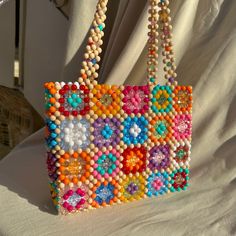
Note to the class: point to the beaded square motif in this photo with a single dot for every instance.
(114, 144)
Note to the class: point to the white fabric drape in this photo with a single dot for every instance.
(205, 42)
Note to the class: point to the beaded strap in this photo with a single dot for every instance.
(90, 64)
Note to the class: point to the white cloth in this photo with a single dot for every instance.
(205, 39)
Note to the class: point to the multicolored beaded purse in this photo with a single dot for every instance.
(111, 144)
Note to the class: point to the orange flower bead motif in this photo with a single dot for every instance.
(106, 99)
(74, 168)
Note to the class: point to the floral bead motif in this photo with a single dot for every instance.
(74, 99)
(179, 179)
(159, 157)
(157, 183)
(162, 99)
(74, 199)
(132, 188)
(136, 99)
(106, 100)
(74, 167)
(161, 128)
(182, 126)
(181, 154)
(183, 98)
(135, 130)
(51, 164)
(54, 194)
(74, 134)
(106, 132)
(105, 193)
(51, 134)
(134, 160)
(106, 164)
(50, 100)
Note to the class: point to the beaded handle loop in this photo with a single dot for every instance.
(90, 66)
(163, 21)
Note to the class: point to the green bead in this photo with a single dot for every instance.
(78, 100)
(69, 100)
(100, 27)
(48, 105)
(74, 104)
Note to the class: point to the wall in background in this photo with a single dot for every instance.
(7, 43)
(44, 48)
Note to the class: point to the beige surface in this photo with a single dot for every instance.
(206, 50)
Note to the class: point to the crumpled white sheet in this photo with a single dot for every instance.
(205, 38)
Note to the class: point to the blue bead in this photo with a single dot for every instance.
(53, 126)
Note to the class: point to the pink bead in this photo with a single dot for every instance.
(107, 152)
(95, 157)
(65, 204)
(65, 197)
(70, 192)
(99, 153)
(77, 206)
(95, 173)
(70, 208)
(106, 176)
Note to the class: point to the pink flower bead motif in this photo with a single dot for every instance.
(182, 126)
(106, 164)
(74, 199)
(136, 99)
(157, 184)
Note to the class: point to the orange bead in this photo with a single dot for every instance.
(75, 180)
(66, 181)
(61, 177)
(53, 91)
(66, 155)
(84, 76)
(75, 155)
(52, 109)
(52, 100)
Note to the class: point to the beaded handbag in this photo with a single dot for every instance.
(111, 144)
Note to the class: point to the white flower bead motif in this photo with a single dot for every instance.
(75, 134)
(135, 130)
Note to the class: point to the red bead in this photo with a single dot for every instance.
(74, 113)
(73, 87)
(86, 91)
(82, 87)
(61, 109)
(62, 91)
(66, 87)
(66, 113)
(86, 99)
(61, 100)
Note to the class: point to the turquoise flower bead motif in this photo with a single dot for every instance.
(162, 99)
(135, 130)
(106, 164)
(74, 100)
(107, 132)
(157, 184)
